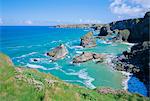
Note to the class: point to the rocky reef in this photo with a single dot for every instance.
(86, 56)
(58, 52)
(88, 41)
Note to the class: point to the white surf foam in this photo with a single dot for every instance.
(79, 52)
(34, 66)
(125, 81)
(83, 75)
(76, 47)
(130, 44)
(25, 55)
(16, 47)
(55, 41)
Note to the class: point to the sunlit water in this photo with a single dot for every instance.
(23, 44)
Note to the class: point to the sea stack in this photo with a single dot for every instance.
(86, 56)
(58, 52)
(88, 41)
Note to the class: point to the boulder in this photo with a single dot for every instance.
(88, 41)
(58, 52)
(86, 56)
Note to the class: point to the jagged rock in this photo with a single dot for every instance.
(105, 30)
(88, 40)
(86, 56)
(58, 52)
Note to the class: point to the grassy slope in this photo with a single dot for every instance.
(19, 84)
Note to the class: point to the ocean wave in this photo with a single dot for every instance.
(79, 52)
(125, 81)
(25, 55)
(71, 70)
(16, 47)
(40, 60)
(56, 41)
(130, 44)
(34, 66)
(83, 75)
(33, 46)
(76, 47)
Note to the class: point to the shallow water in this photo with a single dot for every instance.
(23, 44)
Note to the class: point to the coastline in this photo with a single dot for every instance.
(126, 75)
(129, 82)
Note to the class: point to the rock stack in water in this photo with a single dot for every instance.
(58, 52)
(88, 41)
(86, 56)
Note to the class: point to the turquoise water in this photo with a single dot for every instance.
(23, 44)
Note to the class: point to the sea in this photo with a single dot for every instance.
(23, 44)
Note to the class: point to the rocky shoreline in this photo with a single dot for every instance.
(135, 31)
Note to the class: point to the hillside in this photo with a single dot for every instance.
(22, 84)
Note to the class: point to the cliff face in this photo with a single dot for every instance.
(139, 28)
(139, 57)
(137, 60)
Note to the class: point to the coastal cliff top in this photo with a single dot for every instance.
(23, 84)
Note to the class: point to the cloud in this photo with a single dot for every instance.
(1, 21)
(129, 7)
(28, 22)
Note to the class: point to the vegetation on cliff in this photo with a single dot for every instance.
(22, 84)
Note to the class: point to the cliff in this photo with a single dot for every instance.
(138, 29)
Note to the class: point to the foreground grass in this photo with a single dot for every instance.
(21, 84)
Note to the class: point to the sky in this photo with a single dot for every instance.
(53, 12)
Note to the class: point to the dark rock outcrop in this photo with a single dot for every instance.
(137, 62)
(138, 28)
(105, 30)
(58, 52)
(88, 41)
(86, 56)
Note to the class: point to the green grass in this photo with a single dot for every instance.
(14, 89)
